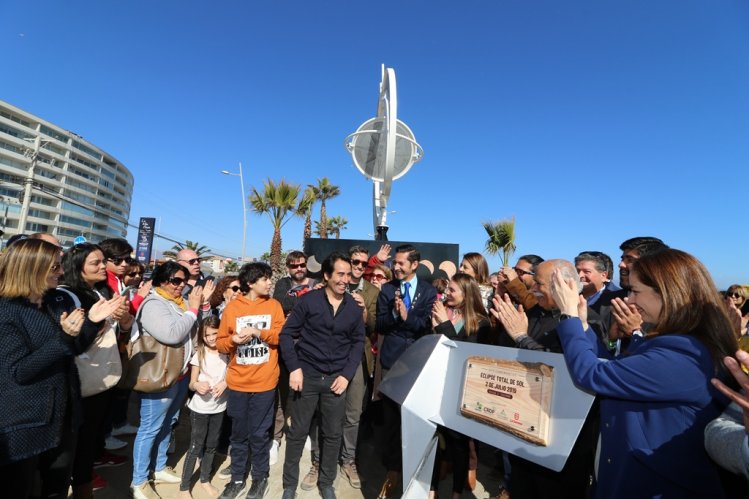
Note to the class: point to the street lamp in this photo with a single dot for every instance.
(244, 205)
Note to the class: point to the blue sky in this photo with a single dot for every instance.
(589, 121)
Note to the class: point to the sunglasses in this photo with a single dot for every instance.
(192, 261)
(121, 260)
(133, 274)
(235, 288)
(378, 277)
(358, 262)
(734, 295)
(297, 265)
(177, 281)
(522, 272)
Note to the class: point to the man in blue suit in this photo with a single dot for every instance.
(404, 311)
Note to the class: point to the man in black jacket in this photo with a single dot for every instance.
(328, 327)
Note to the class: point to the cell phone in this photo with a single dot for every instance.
(397, 293)
(126, 291)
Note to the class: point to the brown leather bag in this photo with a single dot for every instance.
(152, 366)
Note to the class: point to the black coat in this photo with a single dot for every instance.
(38, 381)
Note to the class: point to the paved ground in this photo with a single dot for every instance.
(369, 466)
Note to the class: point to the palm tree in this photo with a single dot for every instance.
(319, 231)
(501, 239)
(323, 191)
(231, 267)
(193, 245)
(278, 201)
(304, 209)
(336, 225)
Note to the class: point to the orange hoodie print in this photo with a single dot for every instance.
(253, 367)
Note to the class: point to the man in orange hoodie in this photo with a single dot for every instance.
(249, 331)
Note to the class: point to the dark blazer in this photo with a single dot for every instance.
(38, 381)
(400, 334)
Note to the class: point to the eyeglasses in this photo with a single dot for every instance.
(177, 281)
(379, 277)
(120, 260)
(234, 288)
(358, 262)
(133, 274)
(734, 295)
(297, 265)
(522, 272)
(191, 261)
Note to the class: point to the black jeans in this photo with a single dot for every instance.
(251, 420)
(91, 437)
(315, 395)
(204, 435)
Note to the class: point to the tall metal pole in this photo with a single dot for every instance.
(244, 206)
(28, 182)
(244, 212)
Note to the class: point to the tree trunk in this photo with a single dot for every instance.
(275, 251)
(307, 227)
(323, 221)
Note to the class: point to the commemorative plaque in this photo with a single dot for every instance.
(510, 395)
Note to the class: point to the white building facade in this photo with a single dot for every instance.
(54, 181)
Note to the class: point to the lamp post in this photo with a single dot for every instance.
(244, 206)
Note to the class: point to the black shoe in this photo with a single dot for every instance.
(327, 492)
(258, 489)
(232, 490)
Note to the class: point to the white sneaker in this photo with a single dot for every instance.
(308, 444)
(112, 443)
(167, 475)
(126, 429)
(144, 491)
(273, 452)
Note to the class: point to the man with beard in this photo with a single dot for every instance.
(290, 288)
(536, 330)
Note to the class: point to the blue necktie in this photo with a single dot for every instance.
(407, 295)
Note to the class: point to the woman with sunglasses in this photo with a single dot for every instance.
(380, 274)
(40, 411)
(85, 284)
(226, 290)
(738, 295)
(172, 321)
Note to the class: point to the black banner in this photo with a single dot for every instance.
(145, 240)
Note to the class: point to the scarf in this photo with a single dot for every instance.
(178, 300)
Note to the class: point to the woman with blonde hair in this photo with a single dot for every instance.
(40, 413)
(474, 264)
(657, 398)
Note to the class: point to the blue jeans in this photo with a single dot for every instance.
(152, 441)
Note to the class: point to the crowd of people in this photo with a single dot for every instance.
(256, 363)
